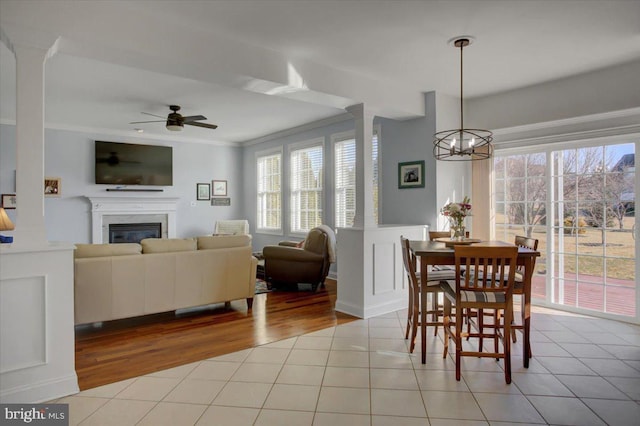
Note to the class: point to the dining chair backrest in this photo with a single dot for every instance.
(526, 242)
(493, 268)
(438, 234)
(409, 261)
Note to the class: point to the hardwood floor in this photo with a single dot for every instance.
(129, 348)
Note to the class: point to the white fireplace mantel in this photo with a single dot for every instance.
(114, 206)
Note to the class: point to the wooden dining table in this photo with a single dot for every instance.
(432, 253)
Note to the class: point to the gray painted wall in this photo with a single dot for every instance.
(611, 89)
(70, 156)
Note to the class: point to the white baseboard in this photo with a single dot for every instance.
(41, 391)
(370, 311)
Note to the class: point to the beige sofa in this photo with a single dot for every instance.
(114, 281)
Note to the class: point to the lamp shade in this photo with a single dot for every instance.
(174, 125)
(5, 222)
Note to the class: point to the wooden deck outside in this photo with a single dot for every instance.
(620, 295)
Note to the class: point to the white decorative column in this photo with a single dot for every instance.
(370, 271)
(37, 343)
(31, 54)
(363, 118)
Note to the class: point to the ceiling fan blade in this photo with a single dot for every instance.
(194, 118)
(205, 125)
(153, 121)
(153, 115)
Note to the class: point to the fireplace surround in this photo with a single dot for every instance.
(126, 210)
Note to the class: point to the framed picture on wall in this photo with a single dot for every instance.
(52, 186)
(219, 188)
(411, 174)
(9, 201)
(203, 191)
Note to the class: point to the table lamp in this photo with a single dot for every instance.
(5, 225)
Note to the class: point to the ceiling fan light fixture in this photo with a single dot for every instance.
(462, 144)
(174, 126)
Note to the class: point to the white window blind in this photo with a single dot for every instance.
(269, 173)
(306, 181)
(345, 181)
(376, 166)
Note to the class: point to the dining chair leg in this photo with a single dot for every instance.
(507, 344)
(480, 328)
(436, 310)
(409, 314)
(496, 332)
(458, 340)
(446, 325)
(414, 327)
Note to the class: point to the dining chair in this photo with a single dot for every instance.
(433, 287)
(518, 286)
(518, 289)
(438, 234)
(487, 284)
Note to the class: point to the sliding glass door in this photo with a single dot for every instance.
(580, 204)
(594, 247)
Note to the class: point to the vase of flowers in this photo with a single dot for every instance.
(456, 213)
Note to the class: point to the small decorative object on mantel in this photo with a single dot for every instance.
(456, 213)
(411, 174)
(219, 188)
(203, 191)
(52, 186)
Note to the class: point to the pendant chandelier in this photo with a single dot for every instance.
(462, 144)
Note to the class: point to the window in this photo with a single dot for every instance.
(306, 183)
(376, 167)
(269, 206)
(345, 180)
(580, 203)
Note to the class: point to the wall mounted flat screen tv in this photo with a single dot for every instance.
(133, 164)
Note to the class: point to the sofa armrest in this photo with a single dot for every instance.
(292, 254)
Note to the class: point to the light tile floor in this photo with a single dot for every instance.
(585, 371)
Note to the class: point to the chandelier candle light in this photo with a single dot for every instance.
(462, 144)
(456, 213)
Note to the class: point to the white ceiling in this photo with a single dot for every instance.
(222, 58)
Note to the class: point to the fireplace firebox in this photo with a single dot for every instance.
(133, 232)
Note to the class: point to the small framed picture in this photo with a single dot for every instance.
(52, 186)
(9, 201)
(411, 174)
(219, 188)
(203, 191)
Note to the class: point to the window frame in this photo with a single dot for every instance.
(263, 154)
(298, 146)
(337, 138)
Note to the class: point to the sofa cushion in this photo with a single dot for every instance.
(223, 241)
(165, 245)
(103, 250)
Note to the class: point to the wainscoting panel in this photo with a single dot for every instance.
(23, 323)
(384, 268)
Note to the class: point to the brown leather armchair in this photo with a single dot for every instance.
(287, 263)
